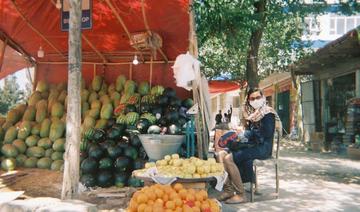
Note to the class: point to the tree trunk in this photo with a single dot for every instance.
(72, 149)
(253, 52)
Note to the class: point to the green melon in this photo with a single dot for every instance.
(121, 119)
(57, 110)
(44, 163)
(45, 128)
(2, 134)
(57, 130)
(10, 134)
(34, 98)
(9, 150)
(157, 90)
(132, 118)
(95, 104)
(59, 145)
(120, 83)
(20, 108)
(95, 113)
(97, 83)
(45, 143)
(144, 88)
(24, 130)
(101, 124)
(41, 111)
(30, 162)
(130, 87)
(13, 116)
(62, 96)
(93, 96)
(32, 140)
(42, 86)
(36, 129)
(89, 122)
(35, 151)
(57, 156)
(20, 145)
(106, 111)
(57, 165)
(49, 152)
(9, 164)
(20, 160)
(30, 114)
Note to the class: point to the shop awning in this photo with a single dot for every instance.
(32, 24)
(344, 50)
(222, 86)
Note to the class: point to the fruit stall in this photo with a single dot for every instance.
(127, 90)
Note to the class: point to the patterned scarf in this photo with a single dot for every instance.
(254, 116)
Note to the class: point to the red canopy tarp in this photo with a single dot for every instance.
(222, 86)
(170, 19)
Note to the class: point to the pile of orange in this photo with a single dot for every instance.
(166, 198)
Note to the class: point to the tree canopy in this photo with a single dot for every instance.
(10, 94)
(252, 38)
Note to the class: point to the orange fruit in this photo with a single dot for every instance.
(191, 191)
(165, 197)
(159, 202)
(150, 202)
(142, 198)
(199, 197)
(173, 195)
(136, 194)
(197, 204)
(177, 187)
(205, 206)
(159, 193)
(168, 210)
(157, 208)
(148, 208)
(196, 209)
(204, 194)
(141, 207)
(170, 205)
(189, 197)
(151, 195)
(178, 202)
(178, 209)
(187, 208)
(182, 193)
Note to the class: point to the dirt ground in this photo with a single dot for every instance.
(308, 182)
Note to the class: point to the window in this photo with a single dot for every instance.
(339, 25)
(311, 26)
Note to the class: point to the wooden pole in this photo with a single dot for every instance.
(151, 71)
(72, 149)
(2, 52)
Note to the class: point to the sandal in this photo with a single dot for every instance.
(236, 199)
(225, 195)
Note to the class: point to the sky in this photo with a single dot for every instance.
(20, 78)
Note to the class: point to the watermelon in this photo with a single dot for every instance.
(32, 140)
(131, 152)
(121, 119)
(35, 151)
(88, 180)
(132, 118)
(49, 152)
(148, 99)
(130, 87)
(150, 117)
(96, 152)
(142, 125)
(105, 179)
(130, 108)
(169, 92)
(134, 182)
(57, 156)
(120, 83)
(144, 88)
(121, 179)
(45, 143)
(89, 165)
(188, 103)
(20, 145)
(122, 163)
(157, 90)
(20, 160)
(114, 151)
(105, 163)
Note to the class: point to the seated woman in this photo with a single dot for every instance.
(238, 162)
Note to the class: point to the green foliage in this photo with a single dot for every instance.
(224, 29)
(10, 95)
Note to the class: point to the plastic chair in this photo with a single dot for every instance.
(267, 162)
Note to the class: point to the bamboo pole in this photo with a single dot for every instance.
(151, 71)
(2, 52)
(34, 29)
(97, 63)
(130, 71)
(72, 150)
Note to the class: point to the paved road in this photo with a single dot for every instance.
(308, 182)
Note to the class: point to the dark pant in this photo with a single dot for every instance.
(244, 160)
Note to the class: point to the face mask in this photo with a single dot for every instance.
(257, 103)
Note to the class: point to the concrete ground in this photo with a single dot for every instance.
(308, 182)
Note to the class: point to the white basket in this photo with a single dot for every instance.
(157, 146)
